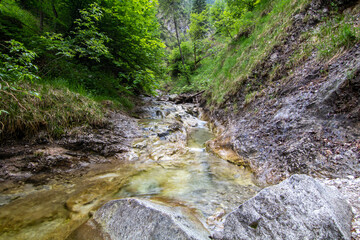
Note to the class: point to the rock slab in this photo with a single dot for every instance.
(141, 219)
(297, 208)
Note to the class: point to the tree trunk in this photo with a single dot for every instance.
(41, 20)
(55, 14)
(179, 45)
(195, 56)
(178, 40)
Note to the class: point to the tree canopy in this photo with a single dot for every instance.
(121, 38)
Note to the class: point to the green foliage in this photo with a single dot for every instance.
(198, 31)
(122, 35)
(101, 49)
(336, 35)
(173, 8)
(15, 22)
(228, 70)
(199, 6)
(55, 42)
(222, 19)
(229, 17)
(136, 46)
(198, 26)
(16, 63)
(258, 32)
(238, 7)
(177, 69)
(16, 66)
(89, 42)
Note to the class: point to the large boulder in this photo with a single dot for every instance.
(141, 219)
(298, 208)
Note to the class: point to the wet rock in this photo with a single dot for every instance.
(175, 127)
(349, 188)
(216, 220)
(173, 97)
(141, 219)
(111, 150)
(193, 111)
(186, 97)
(114, 138)
(79, 148)
(225, 152)
(298, 208)
(163, 134)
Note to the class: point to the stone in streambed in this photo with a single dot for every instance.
(141, 219)
(298, 208)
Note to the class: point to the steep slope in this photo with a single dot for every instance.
(296, 110)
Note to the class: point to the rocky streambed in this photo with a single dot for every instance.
(49, 189)
(157, 177)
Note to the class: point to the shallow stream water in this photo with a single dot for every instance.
(168, 164)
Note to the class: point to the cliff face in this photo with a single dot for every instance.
(306, 117)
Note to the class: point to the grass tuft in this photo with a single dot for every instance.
(57, 110)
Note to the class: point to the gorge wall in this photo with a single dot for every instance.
(303, 120)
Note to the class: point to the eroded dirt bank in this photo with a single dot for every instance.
(38, 161)
(49, 188)
(304, 120)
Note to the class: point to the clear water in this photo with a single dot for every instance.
(187, 175)
(199, 179)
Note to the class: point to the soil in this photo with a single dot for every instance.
(38, 161)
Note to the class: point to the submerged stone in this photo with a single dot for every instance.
(141, 219)
(298, 208)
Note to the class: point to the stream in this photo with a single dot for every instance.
(169, 163)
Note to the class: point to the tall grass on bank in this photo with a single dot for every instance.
(228, 71)
(56, 110)
(269, 24)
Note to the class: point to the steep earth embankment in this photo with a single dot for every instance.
(306, 121)
(303, 119)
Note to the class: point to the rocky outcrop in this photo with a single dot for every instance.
(114, 138)
(36, 161)
(349, 188)
(305, 120)
(140, 219)
(298, 208)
